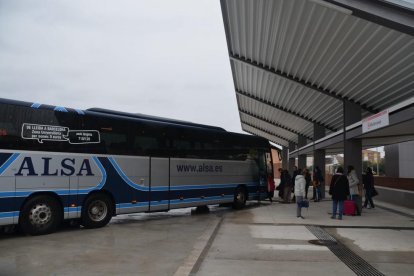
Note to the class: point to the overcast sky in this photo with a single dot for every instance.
(157, 57)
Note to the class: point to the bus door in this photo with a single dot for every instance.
(159, 184)
(263, 171)
(269, 163)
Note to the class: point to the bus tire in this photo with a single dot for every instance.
(96, 211)
(40, 215)
(240, 198)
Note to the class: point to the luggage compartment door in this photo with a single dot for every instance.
(160, 184)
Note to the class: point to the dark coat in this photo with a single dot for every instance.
(318, 175)
(308, 179)
(339, 188)
(295, 173)
(368, 180)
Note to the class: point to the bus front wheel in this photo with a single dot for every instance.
(96, 211)
(40, 215)
(239, 198)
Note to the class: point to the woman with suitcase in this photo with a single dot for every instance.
(354, 191)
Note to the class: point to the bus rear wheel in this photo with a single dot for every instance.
(97, 211)
(40, 215)
(239, 198)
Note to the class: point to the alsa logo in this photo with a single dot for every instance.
(67, 168)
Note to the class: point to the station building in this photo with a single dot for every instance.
(327, 77)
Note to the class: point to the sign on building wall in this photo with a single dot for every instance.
(376, 121)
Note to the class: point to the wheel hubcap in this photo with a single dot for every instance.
(40, 214)
(97, 210)
(240, 197)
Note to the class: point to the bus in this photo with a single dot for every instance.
(60, 163)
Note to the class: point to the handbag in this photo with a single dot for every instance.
(304, 204)
(374, 192)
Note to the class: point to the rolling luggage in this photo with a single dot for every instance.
(349, 207)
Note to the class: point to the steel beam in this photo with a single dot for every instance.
(272, 123)
(268, 132)
(285, 110)
(309, 85)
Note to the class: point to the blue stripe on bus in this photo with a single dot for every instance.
(79, 111)
(159, 202)
(191, 200)
(72, 209)
(104, 176)
(125, 178)
(253, 184)
(9, 162)
(7, 194)
(173, 202)
(35, 105)
(209, 186)
(9, 214)
(131, 205)
(60, 108)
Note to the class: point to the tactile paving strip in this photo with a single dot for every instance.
(349, 258)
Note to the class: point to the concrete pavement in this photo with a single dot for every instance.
(261, 239)
(271, 239)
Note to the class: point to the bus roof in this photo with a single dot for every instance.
(109, 112)
(152, 118)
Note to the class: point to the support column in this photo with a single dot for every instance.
(352, 147)
(291, 159)
(285, 158)
(302, 157)
(319, 155)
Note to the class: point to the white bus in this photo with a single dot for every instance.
(59, 164)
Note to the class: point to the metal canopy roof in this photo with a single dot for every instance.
(295, 61)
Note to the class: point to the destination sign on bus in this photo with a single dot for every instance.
(59, 133)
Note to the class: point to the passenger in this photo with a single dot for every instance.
(317, 184)
(270, 187)
(295, 173)
(354, 189)
(281, 184)
(300, 184)
(369, 188)
(308, 181)
(339, 189)
(287, 190)
(316, 189)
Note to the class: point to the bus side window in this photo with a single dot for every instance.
(145, 145)
(113, 135)
(9, 131)
(116, 143)
(181, 147)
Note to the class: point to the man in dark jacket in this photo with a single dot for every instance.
(287, 188)
(318, 181)
(368, 180)
(308, 182)
(339, 189)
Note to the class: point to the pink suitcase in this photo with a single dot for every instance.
(349, 208)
